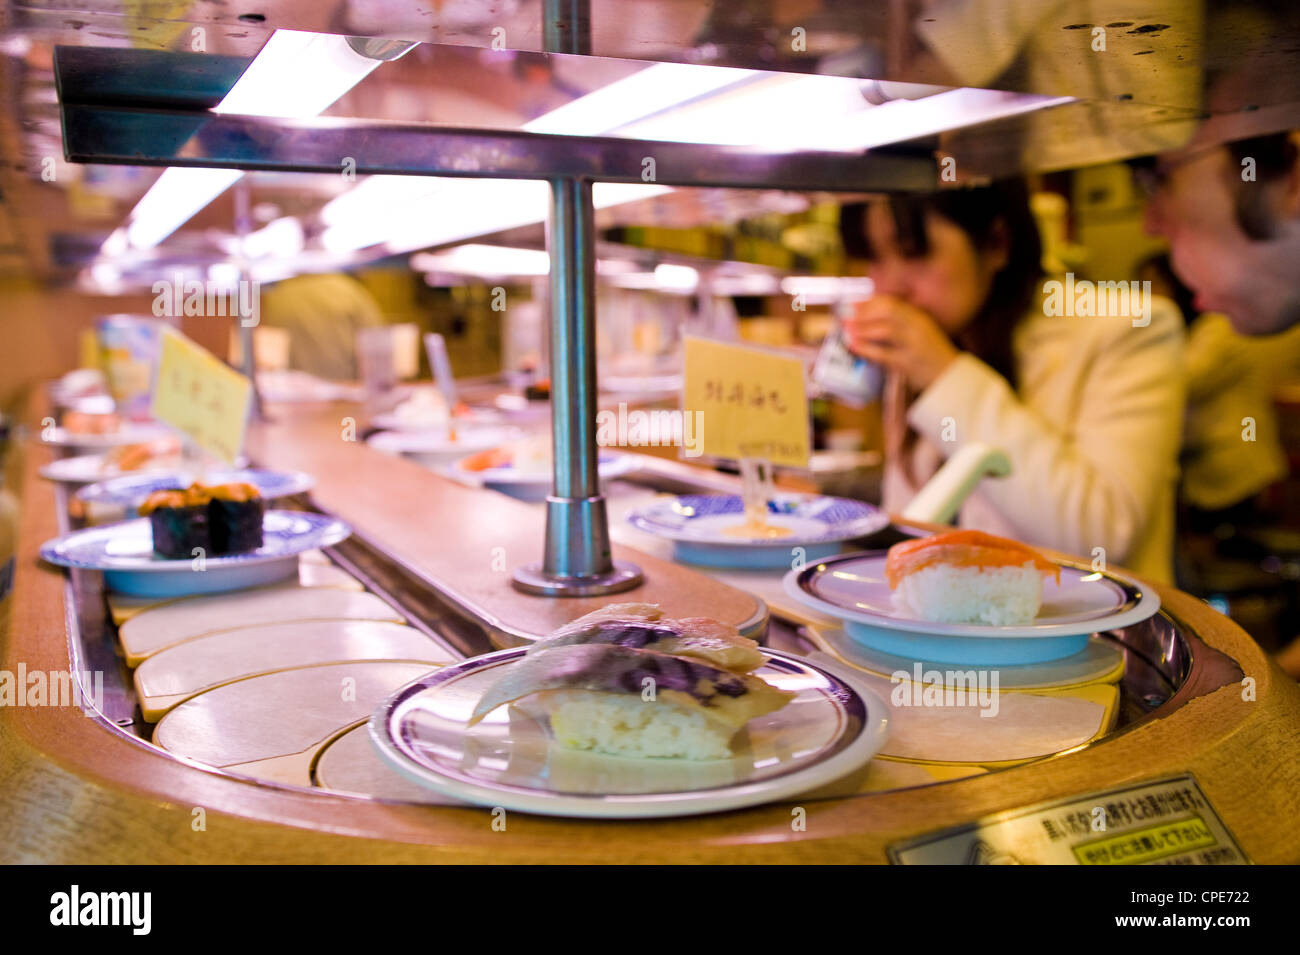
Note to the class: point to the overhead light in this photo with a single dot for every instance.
(490, 261)
(434, 210)
(224, 275)
(116, 244)
(448, 210)
(106, 278)
(826, 289)
(643, 93)
(635, 280)
(829, 113)
(676, 278)
(296, 75)
(670, 279)
(616, 267)
(281, 238)
(901, 120)
(172, 201)
(747, 284)
(773, 111)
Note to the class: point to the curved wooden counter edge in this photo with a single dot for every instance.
(73, 791)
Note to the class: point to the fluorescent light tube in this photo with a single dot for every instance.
(427, 208)
(490, 261)
(295, 75)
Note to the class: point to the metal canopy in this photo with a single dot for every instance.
(104, 120)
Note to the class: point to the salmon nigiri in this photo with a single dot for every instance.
(968, 576)
(963, 549)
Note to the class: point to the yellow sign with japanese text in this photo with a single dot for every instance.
(750, 402)
(196, 393)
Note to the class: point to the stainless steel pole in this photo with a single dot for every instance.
(248, 358)
(577, 561)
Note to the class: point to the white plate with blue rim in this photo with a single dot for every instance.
(831, 728)
(706, 529)
(124, 552)
(853, 588)
(126, 493)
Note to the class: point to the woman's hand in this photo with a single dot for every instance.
(901, 337)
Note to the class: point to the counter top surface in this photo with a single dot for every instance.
(465, 540)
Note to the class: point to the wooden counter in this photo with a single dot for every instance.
(463, 540)
(72, 790)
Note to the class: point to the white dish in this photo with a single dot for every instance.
(698, 526)
(535, 485)
(439, 447)
(129, 433)
(832, 727)
(124, 552)
(852, 588)
(93, 468)
(472, 417)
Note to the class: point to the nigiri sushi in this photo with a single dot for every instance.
(643, 627)
(968, 576)
(631, 702)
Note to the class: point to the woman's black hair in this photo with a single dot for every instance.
(987, 214)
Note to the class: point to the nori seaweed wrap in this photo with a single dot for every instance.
(179, 522)
(236, 518)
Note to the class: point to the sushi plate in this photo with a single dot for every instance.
(698, 526)
(90, 468)
(128, 491)
(392, 421)
(124, 552)
(852, 588)
(129, 433)
(832, 727)
(534, 485)
(438, 447)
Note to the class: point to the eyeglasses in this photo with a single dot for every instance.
(1152, 174)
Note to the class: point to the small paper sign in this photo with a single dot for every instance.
(201, 397)
(751, 402)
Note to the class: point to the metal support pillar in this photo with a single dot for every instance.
(577, 560)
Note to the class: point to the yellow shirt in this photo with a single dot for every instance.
(1231, 448)
(1092, 435)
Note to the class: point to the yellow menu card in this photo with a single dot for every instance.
(196, 393)
(749, 402)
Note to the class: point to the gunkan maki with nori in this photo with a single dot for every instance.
(180, 522)
(235, 514)
(225, 519)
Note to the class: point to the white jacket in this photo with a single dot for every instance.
(1092, 434)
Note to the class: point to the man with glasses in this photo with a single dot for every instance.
(1231, 214)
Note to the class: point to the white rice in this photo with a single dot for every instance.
(627, 725)
(945, 593)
